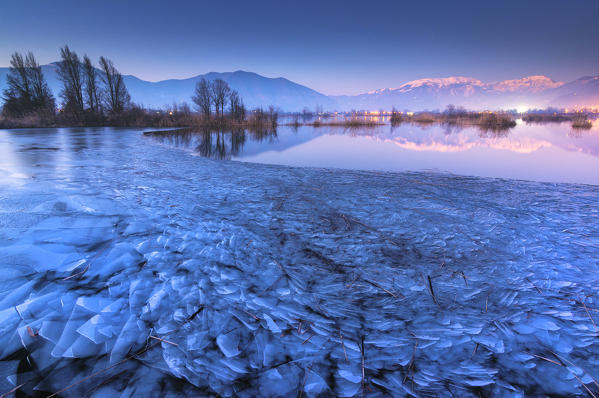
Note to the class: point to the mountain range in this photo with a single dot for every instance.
(423, 94)
(529, 92)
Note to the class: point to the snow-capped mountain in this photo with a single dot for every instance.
(417, 94)
(531, 84)
(433, 83)
(446, 82)
(532, 91)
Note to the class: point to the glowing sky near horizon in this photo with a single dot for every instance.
(345, 47)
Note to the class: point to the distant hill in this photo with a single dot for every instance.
(423, 94)
(256, 90)
(580, 91)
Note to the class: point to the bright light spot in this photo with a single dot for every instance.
(522, 109)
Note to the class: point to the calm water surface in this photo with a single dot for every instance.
(550, 152)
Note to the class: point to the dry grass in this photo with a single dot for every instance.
(348, 123)
(29, 121)
(541, 118)
(581, 122)
(139, 117)
(396, 118)
(492, 121)
(424, 118)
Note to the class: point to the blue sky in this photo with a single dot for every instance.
(344, 47)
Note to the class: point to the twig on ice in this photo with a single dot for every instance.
(430, 289)
(363, 372)
(343, 345)
(165, 341)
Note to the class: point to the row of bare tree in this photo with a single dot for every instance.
(92, 95)
(27, 90)
(87, 92)
(217, 94)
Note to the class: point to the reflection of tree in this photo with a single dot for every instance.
(220, 148)
(211, 144)
(484, 131)
(260, 135)
(450, 128)
(578, 132)
(214, 144)
(205, 146)
(237, 142)
(493, 132)
(79, 140)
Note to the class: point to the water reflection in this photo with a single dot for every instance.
(525, 138)
(214, 144)
(56, 153)
(549, 152)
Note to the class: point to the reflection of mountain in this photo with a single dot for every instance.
(439, 139)
(523, 139)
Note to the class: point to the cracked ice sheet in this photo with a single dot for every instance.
(267, 280)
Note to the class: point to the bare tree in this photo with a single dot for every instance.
(306, 114)
(273, 115)
(117, 97)
(27, 90)
(91, 86)
(203, 97)
(220, 92)
(19, 94)
(184, 109)
(236, 106)
(69, 73)
(43, 99)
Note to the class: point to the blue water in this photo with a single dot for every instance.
(131, 267)
(550, 152)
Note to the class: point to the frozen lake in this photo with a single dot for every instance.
(131, 267)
